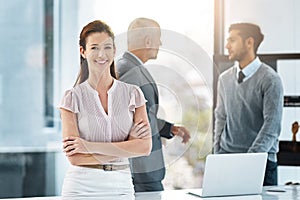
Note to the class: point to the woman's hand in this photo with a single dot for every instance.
(140, 130)
(73, 145)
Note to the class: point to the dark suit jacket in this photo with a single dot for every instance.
(150, 168)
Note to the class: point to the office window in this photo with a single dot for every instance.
(22, 73)
(49, 63)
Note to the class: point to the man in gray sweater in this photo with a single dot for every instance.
(250, 101)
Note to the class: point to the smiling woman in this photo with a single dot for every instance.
(104, 121)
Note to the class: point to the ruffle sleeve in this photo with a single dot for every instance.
(137, 98)
(69, 102)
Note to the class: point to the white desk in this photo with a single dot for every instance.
(291, 193)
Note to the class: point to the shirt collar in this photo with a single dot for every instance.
(92, 90)
(250, 69)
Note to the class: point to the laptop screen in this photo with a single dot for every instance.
(234, 174)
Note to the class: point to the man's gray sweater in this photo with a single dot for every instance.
(248, 115)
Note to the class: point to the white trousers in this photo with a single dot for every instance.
(89, 183)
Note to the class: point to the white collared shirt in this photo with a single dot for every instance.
(250, 69)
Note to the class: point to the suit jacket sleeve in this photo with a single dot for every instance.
(165, 128)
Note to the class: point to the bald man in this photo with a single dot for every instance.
(143, 39)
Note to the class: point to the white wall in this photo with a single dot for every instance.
(279, 21)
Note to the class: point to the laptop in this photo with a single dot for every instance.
(232, 174)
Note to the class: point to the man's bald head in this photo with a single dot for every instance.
(142, 23)
(138, 30)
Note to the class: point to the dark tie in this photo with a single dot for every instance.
(241, 77)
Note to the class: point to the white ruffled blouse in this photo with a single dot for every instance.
(93, 122)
